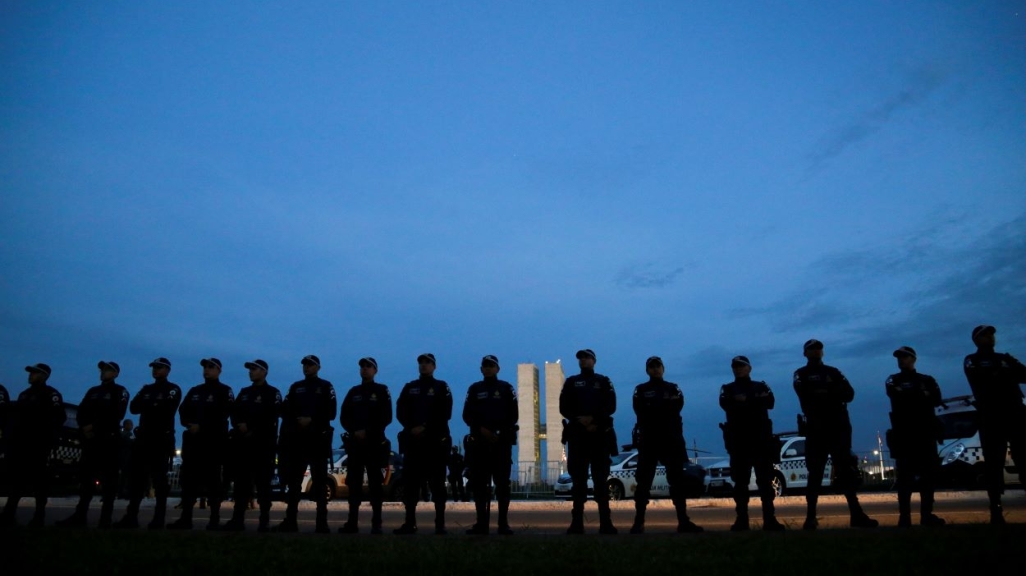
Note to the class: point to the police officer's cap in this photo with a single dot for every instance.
(256, 364)
(108, 365)
(586, 353)
(983, 329)
(160, 362)
(368, 361)
(311, 360)
(490, 359)
(904, 351)
(426, 357)
(43, 368)
(740, 360)
(812, 344)
(653, 361)
(210, 362)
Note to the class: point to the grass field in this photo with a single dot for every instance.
(971, 549)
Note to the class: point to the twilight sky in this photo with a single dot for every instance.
(688, 179)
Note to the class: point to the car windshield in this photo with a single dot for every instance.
(959, 424)
(620, 458)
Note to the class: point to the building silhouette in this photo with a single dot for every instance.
(534, 463)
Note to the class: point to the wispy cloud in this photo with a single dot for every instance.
(647, 275)
(918, 88)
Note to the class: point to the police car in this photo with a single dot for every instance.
(791, 473)
(622, 484)
(336, 481)
(960, 453)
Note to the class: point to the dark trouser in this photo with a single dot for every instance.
(29, 473)
(313, 451)
(367, 460)
(202, 469)
(835, 445)
(99, 463)
(150, 463)
(492, 463)
(425, 461)
(742, 461)
(254, 469)
(998, 435)
(459, 492)
(916, 457)
(590, 451)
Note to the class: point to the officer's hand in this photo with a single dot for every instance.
(585, 420)
(242, 428)
(360, 435)
(740, 397)
(194, 428)
(487, 434)
(417, 430)
(591, 428)
(304, 421)
(87, 431)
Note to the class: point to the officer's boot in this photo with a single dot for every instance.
(576, 519)
(484, 513)
(741, 523)
(769, 517)
(904, 509)
(859, 519)
(265, 518)
(238, 521)
(684, 524)
(997, 514)
(321, 519)
(352, 525)
(7, 517)
(131, 517)
(289, 524)
(504, 528)
(410, 524)
(78, 518)
(926, 515)
(638, 527)
(106, 513)
(440, 518)
(215, 516)
(810, 513)
(39, 517)
(159, 513)
(605, 519)
(375, 517)
(184, 521)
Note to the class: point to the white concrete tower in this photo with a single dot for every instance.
(529, 438)
(554, 378)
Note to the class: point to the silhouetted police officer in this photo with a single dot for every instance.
(156, 405)
(824, 394)
(204, 413)
(995, 378)
(491, 411)
(99, 420)
(255, 415)
(35, 421)
(424, 409)
(307, 413)
(457, 464)
(366, 412)
(915, 430)
(748, 438)
(659, 436)
(588, 401)
(5, 407)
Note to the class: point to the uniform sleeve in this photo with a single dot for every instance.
(468, 410)
(173, 400)
(386, 410)
(135, 406)
(402, 412)
(447, 402)
(513, 407)
(610, 400)
(799, 390)
(228, 405)
(636, 402)
(86, 411)
(5, 405)
(565, 401)
(346, 411)
(187, 412)
(934, 392)
(122, 406)
(764, 399)
(57, 413)
(239, 414)
(677, 400)
(1017, 369)
(726, 399)
(331, 406)
(845, 393)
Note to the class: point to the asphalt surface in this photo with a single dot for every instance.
(550, 517)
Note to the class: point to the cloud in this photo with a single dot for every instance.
(647, 275)
(918, 88)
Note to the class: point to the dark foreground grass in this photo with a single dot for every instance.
(972, 550)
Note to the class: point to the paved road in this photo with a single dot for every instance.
(551, 517)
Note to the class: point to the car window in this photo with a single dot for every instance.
(799, 447)
(959, 424)
(630, 463)
(620, 458)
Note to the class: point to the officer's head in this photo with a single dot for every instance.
(489, 366)
(983, 336)
(586, 359)
(257, 370)
(426, 364)
(813, 349)
(311, 365)
(108, 370)
(38, 373)
(740, 366)
(654, 367)
(455, 450)
(211, 368)
(368, 368)
(127, 425)
(906, 357)
(160, 367)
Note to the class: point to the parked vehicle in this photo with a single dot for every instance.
(960, 453)
(791, 473)
(622, 484)
(337, 472)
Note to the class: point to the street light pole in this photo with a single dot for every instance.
(879, 446)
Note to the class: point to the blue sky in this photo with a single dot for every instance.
(689, 179)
